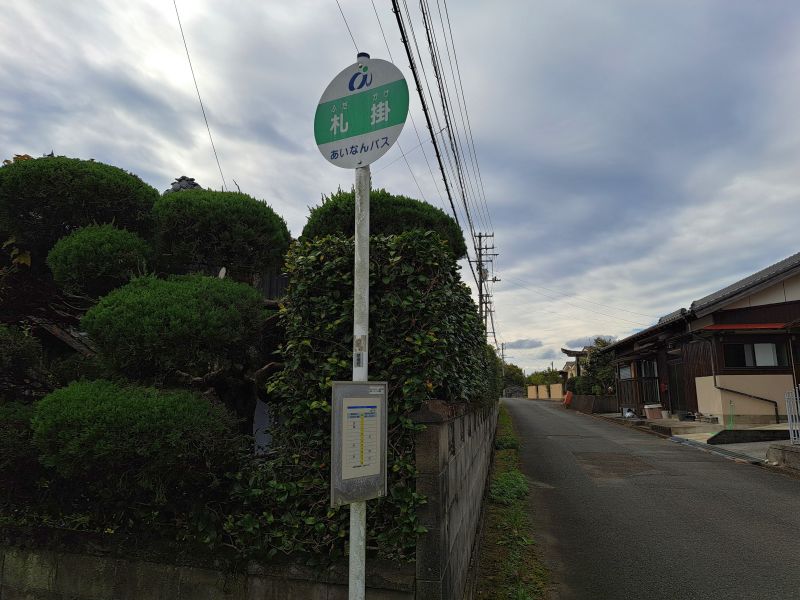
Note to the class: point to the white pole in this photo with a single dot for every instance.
(358, 510)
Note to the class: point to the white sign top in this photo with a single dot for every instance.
(361, 113)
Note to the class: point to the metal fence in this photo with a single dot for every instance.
(793, 414)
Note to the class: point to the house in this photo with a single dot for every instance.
(569, 370)
(732, 354)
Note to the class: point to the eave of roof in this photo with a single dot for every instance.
(743, 326)
(759, 280)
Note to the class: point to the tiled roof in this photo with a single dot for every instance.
(779, 268)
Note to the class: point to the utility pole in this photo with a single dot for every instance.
(483, 257)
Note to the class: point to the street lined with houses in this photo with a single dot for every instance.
(623, 514)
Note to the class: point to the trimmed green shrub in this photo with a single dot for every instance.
(152, 327)
(45, 199)
(389, 214)
(426, 340)
(97, 258)
(132, 444)
(19, 464)
(203, 230)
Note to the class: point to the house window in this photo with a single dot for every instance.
(649, 368)
(738, 356)
(625, 372)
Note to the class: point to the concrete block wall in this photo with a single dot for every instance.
(453, 456)
(27, 574)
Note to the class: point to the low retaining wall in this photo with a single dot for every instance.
(785, 455)
(44, 575)
(453, 456)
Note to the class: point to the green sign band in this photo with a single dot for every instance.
(365, 112)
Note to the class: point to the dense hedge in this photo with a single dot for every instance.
(426, 339)
(389, 214)
(151, 328)
(204, 230)
(133, 448)
(45, 199)
(97, 258)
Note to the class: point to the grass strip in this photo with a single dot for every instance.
(508, 565)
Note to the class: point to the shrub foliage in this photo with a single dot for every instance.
(18, 458)
(389, 214)
(426, 340)
(151, 328)
(204, 230)
(22, 375)
(129, 446)
(45, 199)
(97, 258)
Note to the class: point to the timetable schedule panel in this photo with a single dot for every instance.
(361, 441)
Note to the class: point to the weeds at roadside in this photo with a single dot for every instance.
(508, 565)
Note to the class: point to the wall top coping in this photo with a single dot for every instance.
(438, 411)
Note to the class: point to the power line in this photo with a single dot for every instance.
(346, 24)
(613, 317)
(404, 154)
(474, 152)
(196, 87)
(412, 64)
(567, 295)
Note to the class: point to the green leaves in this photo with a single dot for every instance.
(426, 340)
(203, 230)
(153, 327)
(389, 215)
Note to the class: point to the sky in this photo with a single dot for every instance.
(634, 155)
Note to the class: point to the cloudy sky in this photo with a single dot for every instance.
(635, 155)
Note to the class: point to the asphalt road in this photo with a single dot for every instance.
(622, 514)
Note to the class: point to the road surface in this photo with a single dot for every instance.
(623, 514)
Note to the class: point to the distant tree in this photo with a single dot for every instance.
(513, 375)
(544, 377)
(598, 367)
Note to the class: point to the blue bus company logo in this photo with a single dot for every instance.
(359, 80)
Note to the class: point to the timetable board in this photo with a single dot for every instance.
(358, 441)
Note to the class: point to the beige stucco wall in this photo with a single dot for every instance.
(543, 392)
(785, 291)
(711, 401)
(532, 391)
(556, 391)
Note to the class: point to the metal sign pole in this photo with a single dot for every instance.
(358, 510)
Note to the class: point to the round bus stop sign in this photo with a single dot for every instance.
(361, 113)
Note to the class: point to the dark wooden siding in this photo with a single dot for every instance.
(696, 363)
(785, 312)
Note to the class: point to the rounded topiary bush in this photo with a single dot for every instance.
(45, 199)
(97, 258)
(203, 230)
(151, 328)
(389, 214)
(133, 443)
